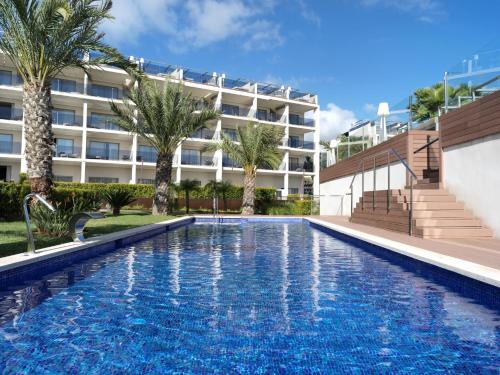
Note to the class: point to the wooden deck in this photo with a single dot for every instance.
(485, 252)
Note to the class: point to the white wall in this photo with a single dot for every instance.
(472, 173)
(333, 194)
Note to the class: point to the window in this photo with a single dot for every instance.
(63, 178)
(6, 111)
(293, 190)
(101, 150)
(63, 117)
(103, 121)
(105, 91)
(63, 85)
(64, 147)
(229, 109)
(5, 78)
(191, 157)
(104, 180)
(294, 119)
(294, 141)
(230, 133)
(262, 114)
(6, 143)
(147, 154)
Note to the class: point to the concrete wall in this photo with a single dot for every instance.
(333, 194)
(471, 172)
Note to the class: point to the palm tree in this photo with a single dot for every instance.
(188, 186)
(43, 37)
(256, 146)
(167, 117)
(429, 100)
(221, 188)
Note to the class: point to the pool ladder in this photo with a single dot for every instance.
(215, 207)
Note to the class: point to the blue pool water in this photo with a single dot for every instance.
(248, 297)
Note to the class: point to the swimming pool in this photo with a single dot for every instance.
(271, 296)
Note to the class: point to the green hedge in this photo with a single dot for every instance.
(137, 190)
(11, 200)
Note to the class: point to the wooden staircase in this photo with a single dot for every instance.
(436, 213)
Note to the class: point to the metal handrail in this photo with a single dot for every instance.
(31, 240)
(361, 166)
(426, 145)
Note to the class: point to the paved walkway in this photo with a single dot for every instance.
(485, 252)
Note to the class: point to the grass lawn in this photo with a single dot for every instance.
(13, 234)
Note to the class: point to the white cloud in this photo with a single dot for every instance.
(335, 120)
(195, 23)
(308, 14)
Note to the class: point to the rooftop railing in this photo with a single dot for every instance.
(15, 114)
(205, 78)
(270, 89)
(301, 96)
(11, 148)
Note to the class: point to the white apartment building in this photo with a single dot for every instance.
(90, 147)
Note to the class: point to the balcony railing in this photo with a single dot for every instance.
(269, 89)
(300, 167)
(11, 148)
(106, 122)
(231, 134)
(268, 116)
(68, 152)
(102, 91)
(67, 86)
(299, 120)
(239, 111)
(203, 134)
(306, 145)
(100, 154)
(208, 161)
(15, 114)
(230, 163)
(158, 69)
(301, 96)
(147, 156)
(65, 118)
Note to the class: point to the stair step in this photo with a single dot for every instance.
(431, 185)
(454, 232)
(406, 198)
(443, 214)
(448, 223)
(377, 224)
(431, 206)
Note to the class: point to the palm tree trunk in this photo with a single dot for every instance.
(39, 137)
(163, 179)
(248, 192)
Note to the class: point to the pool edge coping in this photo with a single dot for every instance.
(465, 268)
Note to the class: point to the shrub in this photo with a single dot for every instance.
(11, 200)
(137, 190)
(23, 177)
(117, 198)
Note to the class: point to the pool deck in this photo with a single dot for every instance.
(481, 251)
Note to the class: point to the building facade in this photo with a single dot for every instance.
(90, 146)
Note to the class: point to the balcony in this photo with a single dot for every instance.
(158, 69)
(207, 161)
(299, 120)
(12, 113)
(66, 118)
(302, 96)
(67, 152)
(10, 148)
(268, 116)
(298, 143)
(231, 134)
(272, 90)
(102, 154)
(300, 166)
(202, 134)
(67, 86)
(238, 111)
(101, 121)
(108, 92)
(147, 156)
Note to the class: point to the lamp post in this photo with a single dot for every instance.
(383, 112)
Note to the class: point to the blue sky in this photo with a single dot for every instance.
(352, 53)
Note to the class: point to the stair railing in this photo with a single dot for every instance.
(361, 167)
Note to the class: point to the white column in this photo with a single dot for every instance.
(84, 140)
(178, 154)
(134, 159)
(24, 165)
(254, 106)
(218, 153)
(286, 178)
(316, 151)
